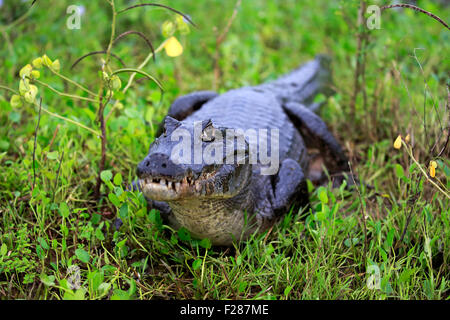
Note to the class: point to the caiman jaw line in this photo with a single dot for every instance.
(161, 184)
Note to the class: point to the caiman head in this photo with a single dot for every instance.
(194, 160)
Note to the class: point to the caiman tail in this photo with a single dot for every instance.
(304, 83)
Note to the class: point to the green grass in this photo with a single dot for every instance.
(48, 231)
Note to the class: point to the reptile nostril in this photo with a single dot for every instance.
(164, 165)
(147, 163)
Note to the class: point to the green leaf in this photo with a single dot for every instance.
(383, 254)
(399, 171)
(322, 193)
(173, 239)
(64, 209)
(106, 175)
(197, 264)
(114, 200)
(77, 295)
(120, 295)
(242, 286)
(82, 255)
(389, 239)
(52, 155)
(321, 215)
(123, 212)
(287, 290)
(184, 234)
(47, 280)
(118, 179)
(205, 243)
(99, 234)
(95, 279)
(15, 117)
(405, 275)
(3, 249)
(43, 243)
(103, 288)
(4, 145)
(121, 243)
(40, 253)
(351, 242)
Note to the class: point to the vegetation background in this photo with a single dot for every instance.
(57, 241)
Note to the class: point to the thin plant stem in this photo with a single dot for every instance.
(113, 31)
(57, 176)
(410, 6)
(142, 65)
(9, 89)
(35, 142)
(63, 93)
(102, 104)
(73, 82)
(96, 133)
(445, 193)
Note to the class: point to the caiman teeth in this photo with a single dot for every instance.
(174, 185)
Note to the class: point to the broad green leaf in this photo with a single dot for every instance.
(52, 155)
(64, 209)
(123, 212)
(399, 171)
(205, 243)
(47, 280)
(114, 200)
(184, 234)
(3, 249)
(197, 264)
(106, 175)
(82, 255)
(322, 194)
(118, 179)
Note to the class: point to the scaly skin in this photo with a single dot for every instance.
(228, 202)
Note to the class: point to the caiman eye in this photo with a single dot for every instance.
(208, 134)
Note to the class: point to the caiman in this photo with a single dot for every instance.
(224, 200)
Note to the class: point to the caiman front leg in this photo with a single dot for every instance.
(316, 134)
(290, 187)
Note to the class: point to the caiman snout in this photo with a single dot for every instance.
(158, 165)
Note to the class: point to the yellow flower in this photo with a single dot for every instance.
(24, 86)
(115, 82)
(398, 142)
(56, 65)
(25, 71)
(35, 74)
(182, 25)
(15, 101)
(407, 138)
(173, 47)
(30, 96)
(47, 61)
(433, 166)
(167, 28)
(37, 63)
(118, 105)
